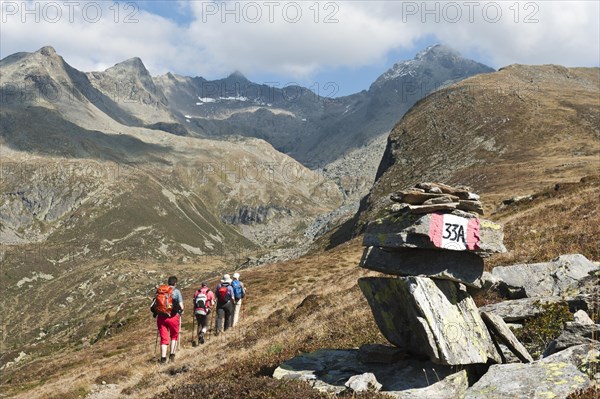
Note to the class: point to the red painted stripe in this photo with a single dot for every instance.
(473, 234)
(436, 227)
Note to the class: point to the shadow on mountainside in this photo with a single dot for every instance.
(45, 132)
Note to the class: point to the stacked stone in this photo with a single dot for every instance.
(433, 241)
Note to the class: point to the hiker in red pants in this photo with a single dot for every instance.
(167, 307)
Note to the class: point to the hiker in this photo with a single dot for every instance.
(204, 299)
(167, 307)
(225, 303)
(239, 292)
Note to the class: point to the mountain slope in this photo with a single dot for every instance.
(505, 133)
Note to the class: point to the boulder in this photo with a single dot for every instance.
(429, 317)
(377, 353)
(463, 267)
(559, 277)
(582, 317)
(366, 382)
(574, 334)
(452, 387)
(328, 370)
(517, 310)
(537, 380)
(435, 231)
(506, 336)
(585, 357)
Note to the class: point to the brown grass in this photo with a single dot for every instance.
(562, 219)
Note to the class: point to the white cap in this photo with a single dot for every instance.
(236, 275)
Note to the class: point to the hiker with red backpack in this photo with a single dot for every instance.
(225, 303)
(203, 301)
(167, 307)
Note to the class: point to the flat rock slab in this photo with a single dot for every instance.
(329, 370)
(535, 380)
(452, 387)
(574, 334)
(499, 329)
(558, 277)
(377, 353)
(463, 267)
(435, 231)
(429, 317)
(517, 310)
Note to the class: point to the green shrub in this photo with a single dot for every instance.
(540, 330)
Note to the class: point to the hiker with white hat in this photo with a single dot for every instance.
(225, 304)
(239, 292)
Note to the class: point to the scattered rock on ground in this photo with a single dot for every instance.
(366, 382)
(574, 334)
(452, 387)
(582, 317)
(558, 277)
(517, 310)
(535, 380)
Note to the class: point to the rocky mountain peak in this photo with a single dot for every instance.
(437, 57)
(132, 65)
(48, 51)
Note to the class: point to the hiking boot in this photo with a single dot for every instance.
(201, 339)
(163, 360)
(172, 357)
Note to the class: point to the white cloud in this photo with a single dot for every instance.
(271, 37)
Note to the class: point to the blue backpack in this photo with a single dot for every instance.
(237, 289)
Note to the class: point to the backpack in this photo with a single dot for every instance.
(200, 303)
(223, 295)
(237, 289)
(163, 301)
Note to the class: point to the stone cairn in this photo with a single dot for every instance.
(433, 241)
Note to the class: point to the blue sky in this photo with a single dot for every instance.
(311, 43)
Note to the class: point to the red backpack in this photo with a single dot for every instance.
(163, 301)
(223, 295)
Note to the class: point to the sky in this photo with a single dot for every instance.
(333, 47)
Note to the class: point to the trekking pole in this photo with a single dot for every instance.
(179, 335)
(193, 326)
(156, 342)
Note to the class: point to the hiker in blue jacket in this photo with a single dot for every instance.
(225, 302)
(239, 292)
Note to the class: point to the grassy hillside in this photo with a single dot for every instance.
(512, 132)
(292, 307)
